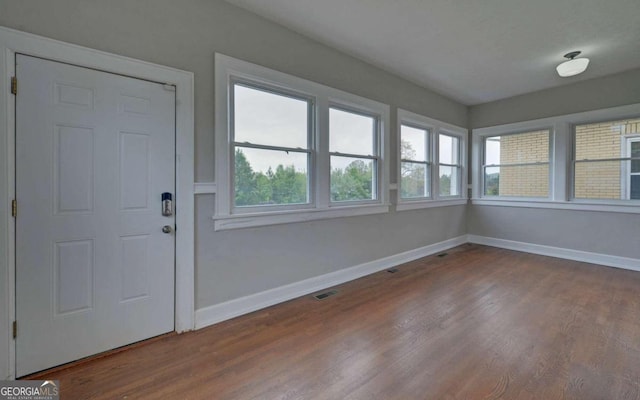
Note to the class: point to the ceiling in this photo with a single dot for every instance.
(469, 50)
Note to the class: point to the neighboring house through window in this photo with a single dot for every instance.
(517, 164)
(606, 160)
(583, 161)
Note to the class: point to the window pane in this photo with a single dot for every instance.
(635, 153)
(449, 181)
(449, 149)
(268, 177)
(413, 142)
(415, 180)
(267, 118)
(603, 139)
(600, 180)
(492, 150)
(352, 179)
(520, 148)
(635, 187)
(517, 180)
(351, 133)
(492, 181)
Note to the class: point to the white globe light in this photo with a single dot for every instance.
(572, 67)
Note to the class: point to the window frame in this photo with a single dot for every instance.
(434, 128)
(428, 163)
(228, 71)
(444, 132)
(625, 175)
(561, 181)
(549, 163)
(310, 150)
(376, 157)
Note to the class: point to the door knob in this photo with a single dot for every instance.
(167, 229)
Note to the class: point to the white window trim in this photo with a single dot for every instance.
(434, 128)
(320, 207)
(561, 180)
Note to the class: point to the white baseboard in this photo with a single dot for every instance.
(244, 305)
(559, 252)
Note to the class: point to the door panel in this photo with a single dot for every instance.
(94, 153)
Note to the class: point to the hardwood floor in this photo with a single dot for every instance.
(480, 323)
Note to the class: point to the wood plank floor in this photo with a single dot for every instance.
(480, 323)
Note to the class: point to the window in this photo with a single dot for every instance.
(449, 165)
(517, 165)
(271, 147)
(431, 163)
(607, 160)
(584, 161)
(354, 155)
(291, 150)
(633, 178)
(415, 165)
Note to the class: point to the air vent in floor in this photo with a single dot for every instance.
(392, 270)
(442, 254)
(324, 295)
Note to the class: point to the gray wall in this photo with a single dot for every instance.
(608, 233)
(185, 34)
(281, 254)
(610, 91)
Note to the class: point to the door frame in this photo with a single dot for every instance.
(12, 42)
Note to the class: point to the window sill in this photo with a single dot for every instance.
(418, 204)
(561, 205)
(228, 222)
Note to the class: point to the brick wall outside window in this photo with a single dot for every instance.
(603, 179)
(522, 148)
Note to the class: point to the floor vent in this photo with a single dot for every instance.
(443, 254)
(324, 295)
(392, 270)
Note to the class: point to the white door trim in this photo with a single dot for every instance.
(11, 42)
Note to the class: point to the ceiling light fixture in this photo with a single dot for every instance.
(574, 66)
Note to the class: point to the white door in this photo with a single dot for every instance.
(94, 270)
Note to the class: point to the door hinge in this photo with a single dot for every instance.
(14, 208)
(15, 329)
(14, 85)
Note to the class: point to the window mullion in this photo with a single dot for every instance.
(323, 159)
(435, 155)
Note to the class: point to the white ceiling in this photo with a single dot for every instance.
(473, 51)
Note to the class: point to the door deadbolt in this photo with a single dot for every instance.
(167, 204)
